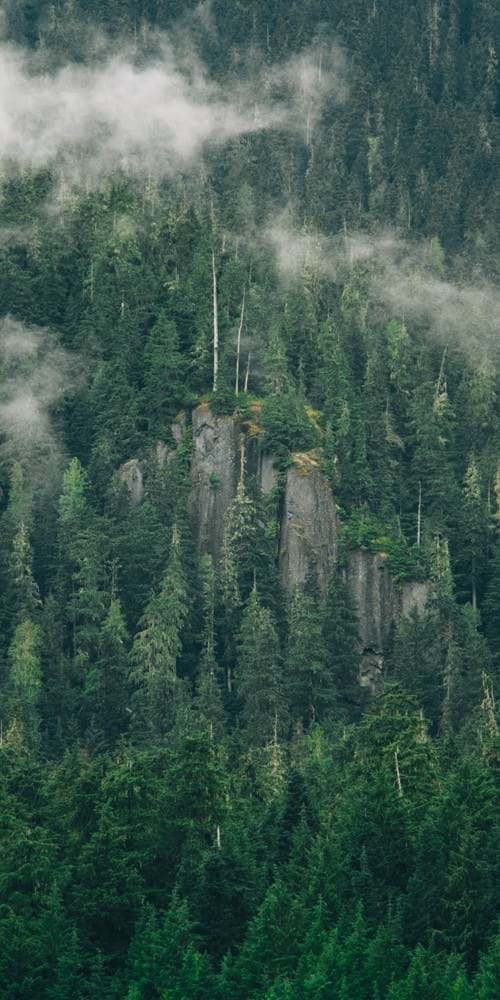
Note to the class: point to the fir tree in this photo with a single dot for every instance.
(158, 644)
(259, 677)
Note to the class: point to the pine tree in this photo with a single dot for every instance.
(382, 443)
(209, 698)
(24, 681)
(474, 532)
(271, 947)
(19, 593)
(276, 362)
(164, 376)
(114, 406)
(240, 548)
(310, 677)
(26, 593)
(433, 424)
(157, 646)
(108, 688)
(340, 632)
(487, 981)
(164, 960)
(259, 677)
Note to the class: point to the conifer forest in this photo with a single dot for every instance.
(249, 499)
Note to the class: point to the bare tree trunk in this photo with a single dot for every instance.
(242, 458)
(441, 373)
(247, 375)
(419, 514)
(275, 752)
(398, 775)
(238, 344)
(216, 324)
(308, 127)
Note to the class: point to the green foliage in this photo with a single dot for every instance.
(158, 645)
(287, 425)
(259, 673)
(198, 801)
(365, 530)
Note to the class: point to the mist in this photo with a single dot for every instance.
(405, 280)
(154, 118)
(36, 374)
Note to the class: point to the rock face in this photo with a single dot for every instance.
(414, 597)
(214, 472)
(380, 604)
(260, 463)
(163, 452)
(267, 476)
(308, 530)
(375, 598)
(308, 537)
(131, 474)
(178, 428)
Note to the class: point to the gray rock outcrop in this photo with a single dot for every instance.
(214, 473)
(260, 463)
(132, 475)
(380, 604)
(267, 476)
(308, 537)
(414, 597)
(375, 598)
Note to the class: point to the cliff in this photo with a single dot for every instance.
(380, 604)
(214, 472)
(308, 535)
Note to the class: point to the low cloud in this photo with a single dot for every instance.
(403, 279)
(155, 117)
(36, 374)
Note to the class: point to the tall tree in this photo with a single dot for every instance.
(157, 647)
(310, 677)
(259, 676)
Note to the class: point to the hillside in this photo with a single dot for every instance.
(249, 500)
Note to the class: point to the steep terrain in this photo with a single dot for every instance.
(249, 500)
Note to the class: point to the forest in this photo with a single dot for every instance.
(249, 500)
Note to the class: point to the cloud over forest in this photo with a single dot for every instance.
(404, 279)
(36, 373)
(153, 116)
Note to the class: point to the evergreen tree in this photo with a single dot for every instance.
(340, 632)
(164, 376)
(157, 647)
(259, 677)
(209, 694)
(108, 687)
(26, 595)
(24, 681)
(474, 533)
(310, 678)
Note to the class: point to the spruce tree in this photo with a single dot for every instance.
(157, 647)
(309, 675)
(259, 674)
